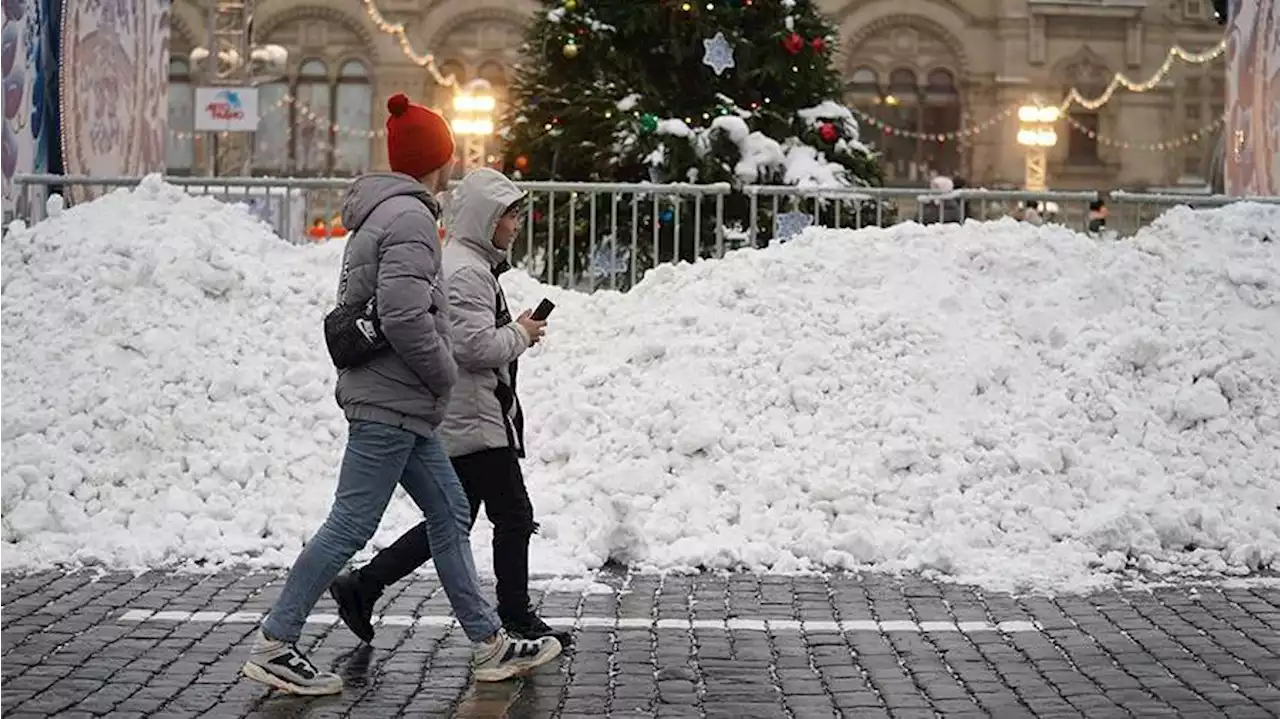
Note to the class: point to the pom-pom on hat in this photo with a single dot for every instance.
(419, 140)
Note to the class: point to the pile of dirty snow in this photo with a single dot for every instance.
(1007, 405)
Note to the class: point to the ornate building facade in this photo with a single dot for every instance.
(937, 82)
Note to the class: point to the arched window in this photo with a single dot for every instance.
(496, 75)
(180, 148)
(1090, 78)
(914, 98)
(865, 82)
(902, 83)
(353, 114)
(310, 121)
(941, 85)
(271, 141)
(925, 110)
(940, 117)
(324, 130)
(440, 96)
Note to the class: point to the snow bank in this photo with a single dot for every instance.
(165, 392)
(1007, 405)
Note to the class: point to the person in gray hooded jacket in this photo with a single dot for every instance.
(483, 430)
(394, 403)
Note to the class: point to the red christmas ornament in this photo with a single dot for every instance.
(828, 132)
(537, 215)
(522, 162)
(793, 43)
(818, 44)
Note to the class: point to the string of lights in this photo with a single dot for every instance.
(1189, 138)
(398, 31)
(963, 133)
(1073, 96)
(1119, 80)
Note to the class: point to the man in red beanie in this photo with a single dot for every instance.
(394, 403)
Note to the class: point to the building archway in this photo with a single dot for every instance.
(318, 118)
(481, 44)
(904, 72)
(1087, 73)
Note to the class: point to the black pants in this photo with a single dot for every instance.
(493, 478)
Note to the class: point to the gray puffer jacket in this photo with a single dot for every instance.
(393, 251)
(484, 412)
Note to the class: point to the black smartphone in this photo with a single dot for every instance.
(543, 310)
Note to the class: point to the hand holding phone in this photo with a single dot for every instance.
(535, 323)
(543, 311)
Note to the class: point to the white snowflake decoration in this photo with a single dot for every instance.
(718, 54)
(789, 224)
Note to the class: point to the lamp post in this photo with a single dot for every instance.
(1036, 134)
(473, 121)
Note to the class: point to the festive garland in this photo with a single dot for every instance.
(1189, 138)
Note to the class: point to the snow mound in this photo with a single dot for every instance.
(165, 392)
(1014, 406)
(1019, 407)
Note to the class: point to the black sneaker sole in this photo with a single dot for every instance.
(348, 601)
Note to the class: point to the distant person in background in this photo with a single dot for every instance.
(1030, 212)
(483, 430)
(394, 401)
(336, 229)
(966, 206)
(1097, 216)
(317, 232)
(941, 209)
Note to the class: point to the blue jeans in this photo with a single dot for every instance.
(378, 457)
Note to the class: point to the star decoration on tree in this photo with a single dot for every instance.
(717, 54)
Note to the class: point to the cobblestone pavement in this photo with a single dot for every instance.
(740, 646)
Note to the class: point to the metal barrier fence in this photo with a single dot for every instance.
(606, 235)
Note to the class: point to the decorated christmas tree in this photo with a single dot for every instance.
(674, 91)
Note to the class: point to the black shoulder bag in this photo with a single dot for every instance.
(353, 334)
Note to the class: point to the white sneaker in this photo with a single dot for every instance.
(505, 657)
(282, 666)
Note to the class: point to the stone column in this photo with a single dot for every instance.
(1142, 118)
(1008, 158)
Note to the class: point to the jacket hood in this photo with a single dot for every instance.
(477, 204)
(942, 183)
(369, 191)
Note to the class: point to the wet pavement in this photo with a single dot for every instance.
(171, 644)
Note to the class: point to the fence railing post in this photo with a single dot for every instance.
(286, 197)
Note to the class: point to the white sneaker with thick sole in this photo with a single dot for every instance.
(282, 666)
(506, 657)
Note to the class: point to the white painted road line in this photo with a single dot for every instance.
(743, 625)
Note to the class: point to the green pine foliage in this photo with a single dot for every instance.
(617, 91)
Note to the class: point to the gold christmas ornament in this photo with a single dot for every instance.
(570, 5)
(570, 50)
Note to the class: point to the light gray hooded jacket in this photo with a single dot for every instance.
(393, 251)
(484, 412)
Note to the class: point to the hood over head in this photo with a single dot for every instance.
(477, 204)
(942, 183)
(369, 191)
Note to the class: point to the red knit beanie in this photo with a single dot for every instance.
(419, 140)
